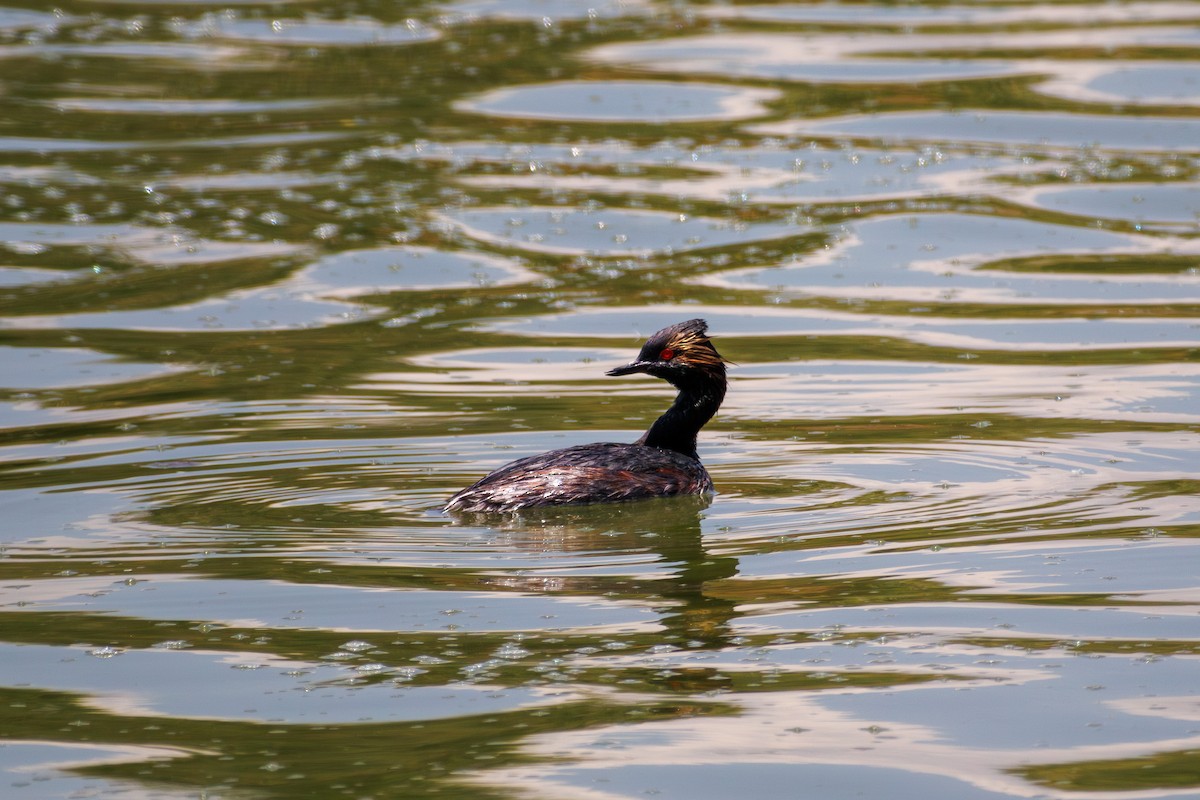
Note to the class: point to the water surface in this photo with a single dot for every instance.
(278, 278)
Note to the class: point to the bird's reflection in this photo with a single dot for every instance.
(669, 529)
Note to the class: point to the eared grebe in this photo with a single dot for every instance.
(661, 463)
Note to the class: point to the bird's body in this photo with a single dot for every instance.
(662, 463)
(588, 473)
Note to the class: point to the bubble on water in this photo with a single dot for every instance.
(511, 652)
(105, 652)
(172, 644)
(371, 669)
(26, 248)
(425, 659)
(488, 666)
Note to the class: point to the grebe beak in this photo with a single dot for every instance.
(630, 368)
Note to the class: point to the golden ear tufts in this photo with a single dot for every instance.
(692, 345)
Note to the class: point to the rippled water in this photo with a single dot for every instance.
(280, 277)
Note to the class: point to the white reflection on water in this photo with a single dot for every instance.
(207, 56)
(321, 294)
(41, 367)
(271, 308)
(12, 18)
(207, 684)
(376, 270)
(609, 232)
(1069, 334)
(961, 258)
(769, 173)
(816, 389)
(1172, 207)
(241, 181)
(873, 56)
(1133, 571)
(276, 604)
(139, 105)
(1030, 130)
(43, 770)
(968, 488)
(953, 738)
(822, 389)
(27, 276)
(28, 144)
(642, 101)
(1132, 82)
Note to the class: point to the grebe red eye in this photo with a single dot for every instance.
(667, 355)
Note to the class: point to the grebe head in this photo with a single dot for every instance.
(680, 354)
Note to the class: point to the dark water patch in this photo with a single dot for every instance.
(1168, 771)
(169, 52)
(19, 144)
(182, 107)
(1167, 263)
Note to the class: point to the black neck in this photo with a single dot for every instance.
(695, 405)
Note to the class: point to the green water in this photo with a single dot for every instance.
(278, 278)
